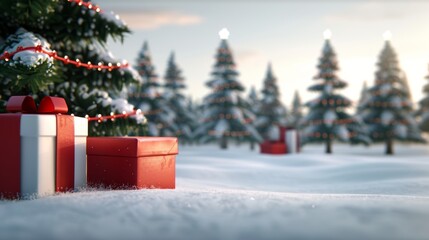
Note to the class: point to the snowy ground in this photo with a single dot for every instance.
(357, 193)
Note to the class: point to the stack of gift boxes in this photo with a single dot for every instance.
(44, 151)
(288, 142)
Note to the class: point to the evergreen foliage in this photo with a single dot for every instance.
(388, 112)
(364, 97)
(327, 119)
(185, 120)
(253, 100)
(423, 110)
(271, 113)
(147, 97)
(74, 31)
(226, 114)
(296, 110)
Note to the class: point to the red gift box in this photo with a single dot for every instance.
(282, 137)
(273, 147)
(28, 165)
(132, 162)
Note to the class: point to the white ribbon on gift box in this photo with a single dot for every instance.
(38, 142)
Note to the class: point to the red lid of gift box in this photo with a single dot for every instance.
(132, 146)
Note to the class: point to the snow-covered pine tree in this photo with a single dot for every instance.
(364, 97)
(423, 111)
(197, 108)
(407, 86)
(74, 31)
(226, 113)
(388, 112)
(327, 119)
(296, 113)
(194, 106)
(174, 85)
(271, 113)
(253, 100)
(147, 97)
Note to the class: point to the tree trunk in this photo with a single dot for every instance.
(389, 146)
(223, 142)
(328, 146)
(252, 145)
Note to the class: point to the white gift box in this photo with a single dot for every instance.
(292, 140)
(38, 153)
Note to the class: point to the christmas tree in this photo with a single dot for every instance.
(364, 97)
(253, 101)
(388, 112)
(58, 48)
(296, 110)
(146, 96)
(226, 113)
(407, 86)
(271, 113)
(327, 119)
(184, 120)
(423, 110)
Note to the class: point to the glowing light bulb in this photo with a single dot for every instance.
(224, 33)
(387, 35)
(327, 34)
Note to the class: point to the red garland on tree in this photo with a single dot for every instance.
(6, 56)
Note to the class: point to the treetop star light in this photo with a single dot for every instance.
(224, 34)
(387, 35)
(327, 34)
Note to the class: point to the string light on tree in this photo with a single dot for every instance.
(88, 5)
(99, 118)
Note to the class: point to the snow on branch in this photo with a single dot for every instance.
(24, 39)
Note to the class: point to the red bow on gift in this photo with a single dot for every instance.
(26, 104)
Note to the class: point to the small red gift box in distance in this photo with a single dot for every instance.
(132, 162)
(273, 147)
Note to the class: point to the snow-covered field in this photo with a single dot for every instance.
(356, 193)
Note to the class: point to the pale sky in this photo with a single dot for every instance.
(286, 33)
